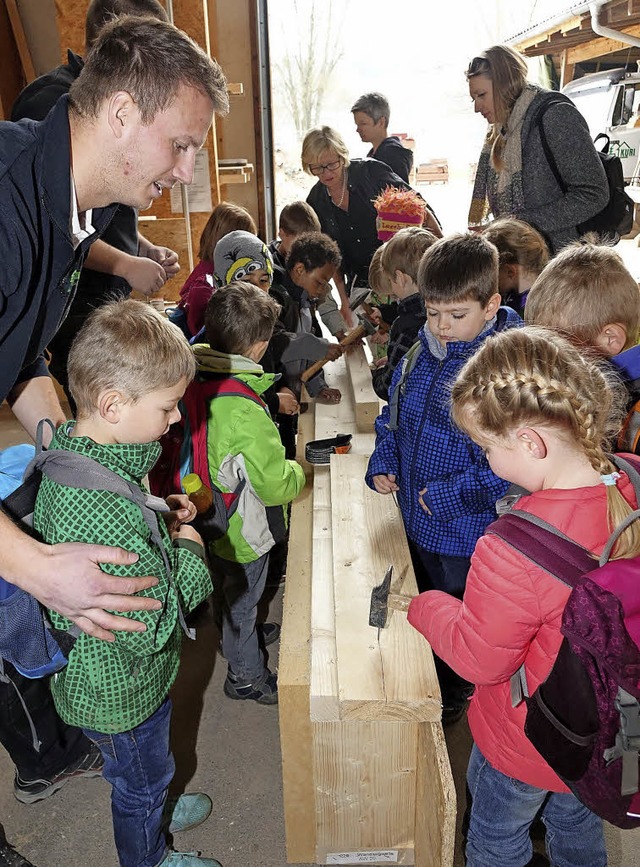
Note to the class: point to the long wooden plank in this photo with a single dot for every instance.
(294, 673)
(330, 419)
(390, 676)
(365, 776)
(365, 401)
(323, 700)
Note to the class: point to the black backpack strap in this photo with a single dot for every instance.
(408, 363)
(537, 123)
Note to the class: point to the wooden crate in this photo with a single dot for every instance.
(433, 172)
(365, 769)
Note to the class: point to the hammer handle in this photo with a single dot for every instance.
(399, 603)
(317, 366)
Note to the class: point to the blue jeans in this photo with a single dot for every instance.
(139, 766)
(504, 808)
(242, 588)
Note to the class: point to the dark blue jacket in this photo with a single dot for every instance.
(39, 268)
(428, 451)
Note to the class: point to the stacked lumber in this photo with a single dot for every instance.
(433, 172)
(366, 775)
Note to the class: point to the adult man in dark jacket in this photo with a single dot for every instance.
(371, 115)
(122, 259)
(130, 128)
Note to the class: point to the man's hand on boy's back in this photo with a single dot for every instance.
(385, 483)
(68, 578)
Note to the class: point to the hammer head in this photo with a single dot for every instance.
(380, 601)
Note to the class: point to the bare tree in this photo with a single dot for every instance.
(306, 69)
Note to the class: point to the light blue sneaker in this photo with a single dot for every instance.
(188, 859)
(189, 811)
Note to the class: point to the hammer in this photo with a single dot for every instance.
(362, 330)
(382, 599)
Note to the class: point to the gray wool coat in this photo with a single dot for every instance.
(553, 213)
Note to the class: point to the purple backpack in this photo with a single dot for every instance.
(584, 719)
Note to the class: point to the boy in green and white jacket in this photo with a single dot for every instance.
(243, 444)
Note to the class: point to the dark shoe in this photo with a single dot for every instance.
(264, 690)
(30, 791)
(269, 632)
(10, 858)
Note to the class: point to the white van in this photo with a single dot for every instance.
(610, 103)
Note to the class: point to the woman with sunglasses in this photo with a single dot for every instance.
(515, 175)
(342, 199)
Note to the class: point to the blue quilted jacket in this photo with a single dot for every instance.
(427, 450)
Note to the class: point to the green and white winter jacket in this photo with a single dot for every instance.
(114, 686)
(243, 443)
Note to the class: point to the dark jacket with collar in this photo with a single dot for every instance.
(35, 102)
(428, 451)
(392, 152)
(39, 269)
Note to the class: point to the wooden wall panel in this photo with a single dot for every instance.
(11, 80)
(70, 16)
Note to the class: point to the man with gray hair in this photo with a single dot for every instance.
(371, 115)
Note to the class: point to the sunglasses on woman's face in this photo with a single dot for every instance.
(327, 167)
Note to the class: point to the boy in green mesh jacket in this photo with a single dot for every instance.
(128, 368)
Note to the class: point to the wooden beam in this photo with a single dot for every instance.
(545, 35)
(600, 47)
(388, 675)
(365, 401)
(566, 70)
(21, 41)
(294, 674)
(435, 826)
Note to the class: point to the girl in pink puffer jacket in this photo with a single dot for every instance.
(541, 412)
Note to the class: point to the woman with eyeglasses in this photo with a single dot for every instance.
(342, 199)
(538, 162)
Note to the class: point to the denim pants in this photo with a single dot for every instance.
(504, 808)
(449, 574)
(242, 588)
(139, 765)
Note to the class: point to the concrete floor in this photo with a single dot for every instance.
(230, 750)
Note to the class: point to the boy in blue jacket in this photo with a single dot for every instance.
(445, 487)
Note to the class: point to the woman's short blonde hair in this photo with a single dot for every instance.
(319, 139)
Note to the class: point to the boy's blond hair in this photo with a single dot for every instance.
(129, 347)
(378, 279)
(238, 316)
(403, 252)
(583, 289)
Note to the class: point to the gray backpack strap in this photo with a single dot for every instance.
(79, 471)
(408, 363)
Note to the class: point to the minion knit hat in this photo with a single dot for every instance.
(238, 254)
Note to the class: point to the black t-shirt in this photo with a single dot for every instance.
(358, 236)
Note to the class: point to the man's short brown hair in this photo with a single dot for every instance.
(298, 217)
(459, 268)
(238, 316)
(404, 251)
(130, 347)
(150, 60)
(101, 12)
(583, 289)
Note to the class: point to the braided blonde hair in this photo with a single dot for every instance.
(532, 376)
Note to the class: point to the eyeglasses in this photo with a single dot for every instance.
(328, 167)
